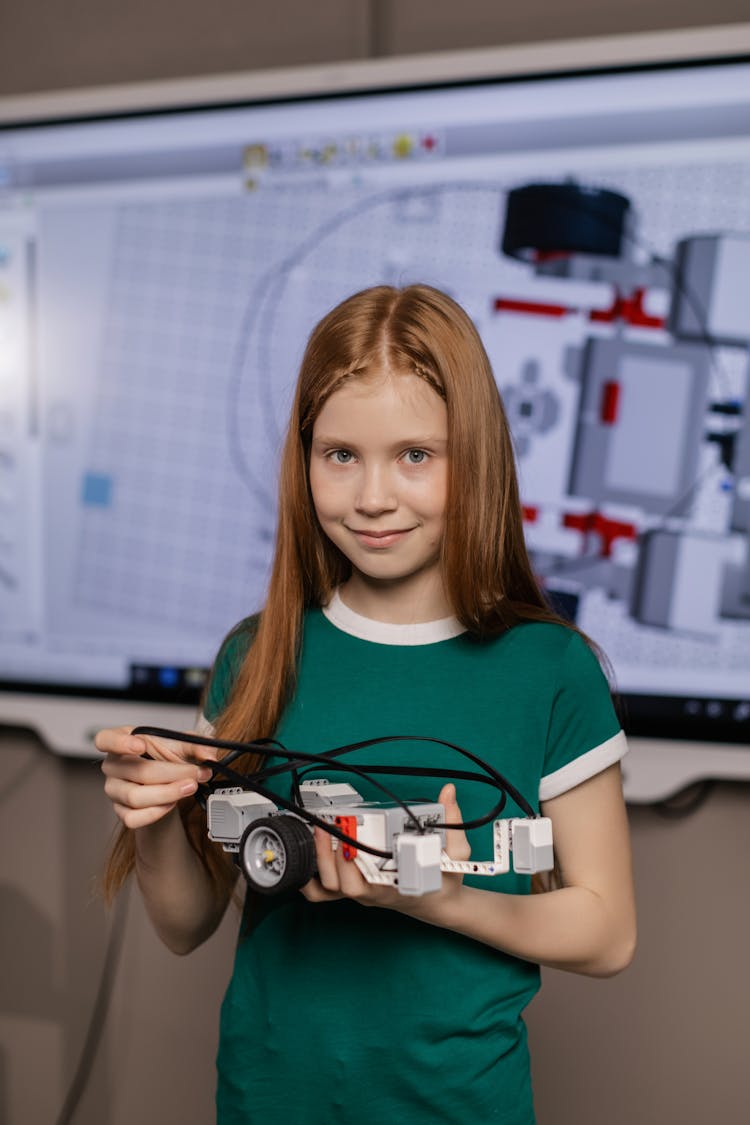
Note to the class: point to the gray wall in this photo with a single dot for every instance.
(46, 45)
(665, 1041)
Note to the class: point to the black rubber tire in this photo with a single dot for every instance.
(563, 219)
(293, 862)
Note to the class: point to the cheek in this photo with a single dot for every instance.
(324, 494)
(435, 498)
(317, 490)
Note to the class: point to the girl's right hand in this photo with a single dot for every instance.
(144, 789)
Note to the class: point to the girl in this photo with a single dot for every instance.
(401, 602)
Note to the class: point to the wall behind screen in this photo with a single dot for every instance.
(665, 1042)
(46, 45)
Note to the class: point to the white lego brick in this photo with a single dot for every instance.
(625, 552)
(532, 845)
(501, 845)
(469, 866)
(711, 294)
(331, 790)
(654, 387)
(728, 314)
(570, 292)
(696, 589)
(371, 829)
(565, 541)
(419, 863)
(373, 873)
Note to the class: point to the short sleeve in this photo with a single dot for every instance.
(225, 669)
(584, 735)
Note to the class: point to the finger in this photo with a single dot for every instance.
(173, 750)
(140, 818)
(328, 874)
(314, 891)
(202, 753)
(456, 842)
(147, 771)
(351, 880)
(118, 740)
(145, 796)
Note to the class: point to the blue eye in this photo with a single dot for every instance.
(416, 456)
(341, 456)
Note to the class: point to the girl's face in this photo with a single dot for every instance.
(378, 476)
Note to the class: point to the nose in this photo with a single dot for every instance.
(376, 493)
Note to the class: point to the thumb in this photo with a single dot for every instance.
(448, 800)
(456, 843)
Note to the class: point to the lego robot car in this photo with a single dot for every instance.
(392, 844)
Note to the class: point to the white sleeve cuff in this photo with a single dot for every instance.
(204, 727)
(581, 769)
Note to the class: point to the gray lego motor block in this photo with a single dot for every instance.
(710, 293)
(229, 813)
(640, 396)
(277, 853)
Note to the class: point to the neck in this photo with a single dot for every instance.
(408, 601)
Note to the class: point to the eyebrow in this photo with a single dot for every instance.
(402, 443)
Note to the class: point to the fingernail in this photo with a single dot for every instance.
(205, 774)
(188, 787)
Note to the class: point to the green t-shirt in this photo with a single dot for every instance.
(337, 1013)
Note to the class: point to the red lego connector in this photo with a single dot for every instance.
(348, 825)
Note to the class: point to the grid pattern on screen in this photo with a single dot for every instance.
(209, 306)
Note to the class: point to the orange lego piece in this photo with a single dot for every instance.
(347, 824)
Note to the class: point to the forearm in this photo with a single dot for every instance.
(184, 904)
(571, 928)
(588, 926)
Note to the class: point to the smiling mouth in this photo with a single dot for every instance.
(380, 538)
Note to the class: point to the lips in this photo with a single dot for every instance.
(380, 539)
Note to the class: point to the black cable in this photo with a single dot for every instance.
(241, 748)
(295, 786)
(443, 774)
(290, 767)
(297, 758)
(98, 1017)
(501, 782)
(298, 808)
(315, 759)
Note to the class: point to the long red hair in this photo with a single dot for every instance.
(486, 570)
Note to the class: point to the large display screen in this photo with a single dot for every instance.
(159, 275)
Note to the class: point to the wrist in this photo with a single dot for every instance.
(152, 839)
(443, 908)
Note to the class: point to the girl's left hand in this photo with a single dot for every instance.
(341, 878)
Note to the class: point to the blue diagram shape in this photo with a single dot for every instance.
(97, 490)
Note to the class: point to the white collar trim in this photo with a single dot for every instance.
(386, 632)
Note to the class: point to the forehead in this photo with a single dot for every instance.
(400, 400)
